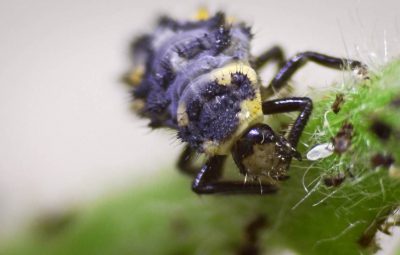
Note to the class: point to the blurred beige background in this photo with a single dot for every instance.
(66, 133)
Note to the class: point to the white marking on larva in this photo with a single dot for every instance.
(320, 151)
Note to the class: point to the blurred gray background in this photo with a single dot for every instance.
(67, 135)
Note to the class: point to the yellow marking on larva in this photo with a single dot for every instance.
(211, 148)
(223, 74)
(136, 76)
(182, 116)
(250, 108)
(231, 19)
(202, 14)
(250, 113)
(138, 105)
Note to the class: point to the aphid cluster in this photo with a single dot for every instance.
(200, 79)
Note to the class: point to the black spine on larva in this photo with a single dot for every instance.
(178, 57)
(222, 39)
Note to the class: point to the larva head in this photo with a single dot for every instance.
(214, 114)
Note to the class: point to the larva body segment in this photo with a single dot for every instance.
(196, 77)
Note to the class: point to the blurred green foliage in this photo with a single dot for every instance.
(306, 216)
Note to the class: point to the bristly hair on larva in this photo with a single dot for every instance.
(195, 77)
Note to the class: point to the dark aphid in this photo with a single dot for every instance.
(252, 236)
(339, 101)
(342, 141)
(382, 160)
(381, 130)
(199, 78)
(368, 239)
(334, 181)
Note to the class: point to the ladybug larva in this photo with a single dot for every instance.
(200, 79)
